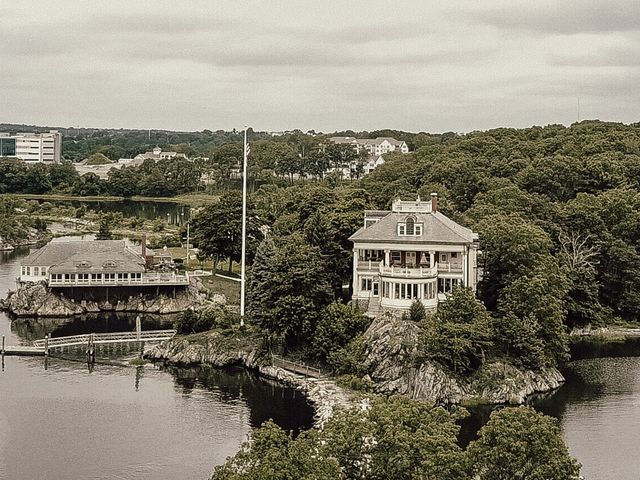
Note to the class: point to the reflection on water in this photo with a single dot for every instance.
(105, 322)
(598, 409)
(109, 422)
(126, 423)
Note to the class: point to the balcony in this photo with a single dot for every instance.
(145, 280)
(449, 267)
(408, 272)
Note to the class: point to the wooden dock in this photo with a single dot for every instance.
(47, 346)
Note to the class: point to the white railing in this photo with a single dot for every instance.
(408, 272)
(146, 279)
(117, 337)
(449, 267)
(369, 264)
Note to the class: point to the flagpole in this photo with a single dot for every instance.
(244, 230)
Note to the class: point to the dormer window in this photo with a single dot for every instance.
(409, 228)
(109, 264)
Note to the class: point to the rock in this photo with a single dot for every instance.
(391, 347)
(218, 350)
(36, 300)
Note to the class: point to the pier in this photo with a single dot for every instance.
(48, 346)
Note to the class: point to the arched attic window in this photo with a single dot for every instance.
(410, 226)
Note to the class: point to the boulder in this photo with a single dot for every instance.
(391, 358)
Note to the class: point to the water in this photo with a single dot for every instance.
(127, 423)
(67, 422)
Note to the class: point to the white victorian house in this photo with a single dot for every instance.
(411, 252)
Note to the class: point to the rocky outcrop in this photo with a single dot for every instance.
(36, 300)
(391, 348)
(31, 237)
(223, 350)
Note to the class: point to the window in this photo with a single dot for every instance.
(401, 230)
(418, 230)
(454, 254)
(96, 276)
(28, 270)
(409, 224)
(366, 284)
(443, 257)
(396, 257)
(36, 271)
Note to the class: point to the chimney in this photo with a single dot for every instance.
(434, 202)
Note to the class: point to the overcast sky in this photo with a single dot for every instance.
(324, 65)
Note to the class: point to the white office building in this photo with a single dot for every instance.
(32, 147)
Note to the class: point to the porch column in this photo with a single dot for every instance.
(387, 255)
(465, 269)
(355, 271)
(432, 258)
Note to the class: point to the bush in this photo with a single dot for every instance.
(353, 382)
(338, 325)
(349, 359)
(190, 321)
(417, 312)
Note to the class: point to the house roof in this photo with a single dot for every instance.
(437, 228)
(88, 257)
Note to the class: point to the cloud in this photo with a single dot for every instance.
(557, 17)
(325, 65)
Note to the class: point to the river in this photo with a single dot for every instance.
(123, 423)
(67, 422)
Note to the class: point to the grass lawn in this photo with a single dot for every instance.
(230, 288)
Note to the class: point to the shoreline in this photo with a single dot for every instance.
(217, 350)
(189, 199)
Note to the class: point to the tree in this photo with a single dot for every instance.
(396, 438)
(124, 182)
(104, 231)
(338, 325)
(217, 229)
(458, 334)
(511, 247)
(521, 444)
(287, 287)
(417, 312)
(273, 454)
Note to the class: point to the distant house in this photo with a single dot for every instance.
(374, 146)
(412, 252)
(157, 154)
(98, 263)
(373, 162)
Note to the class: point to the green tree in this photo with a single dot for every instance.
(338, 325)
(273, 454)
(217, 229)
(458, 334)
(287, 287)
(521, 444)
(417, 312)
(104, 230)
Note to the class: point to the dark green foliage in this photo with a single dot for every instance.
(521, 444)
(190, 321)
(104, 230)
(217, 229)
(399, 438)
(459, 334)
(417, 312)
(288, 286)
(337, 326)
(349, 359)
